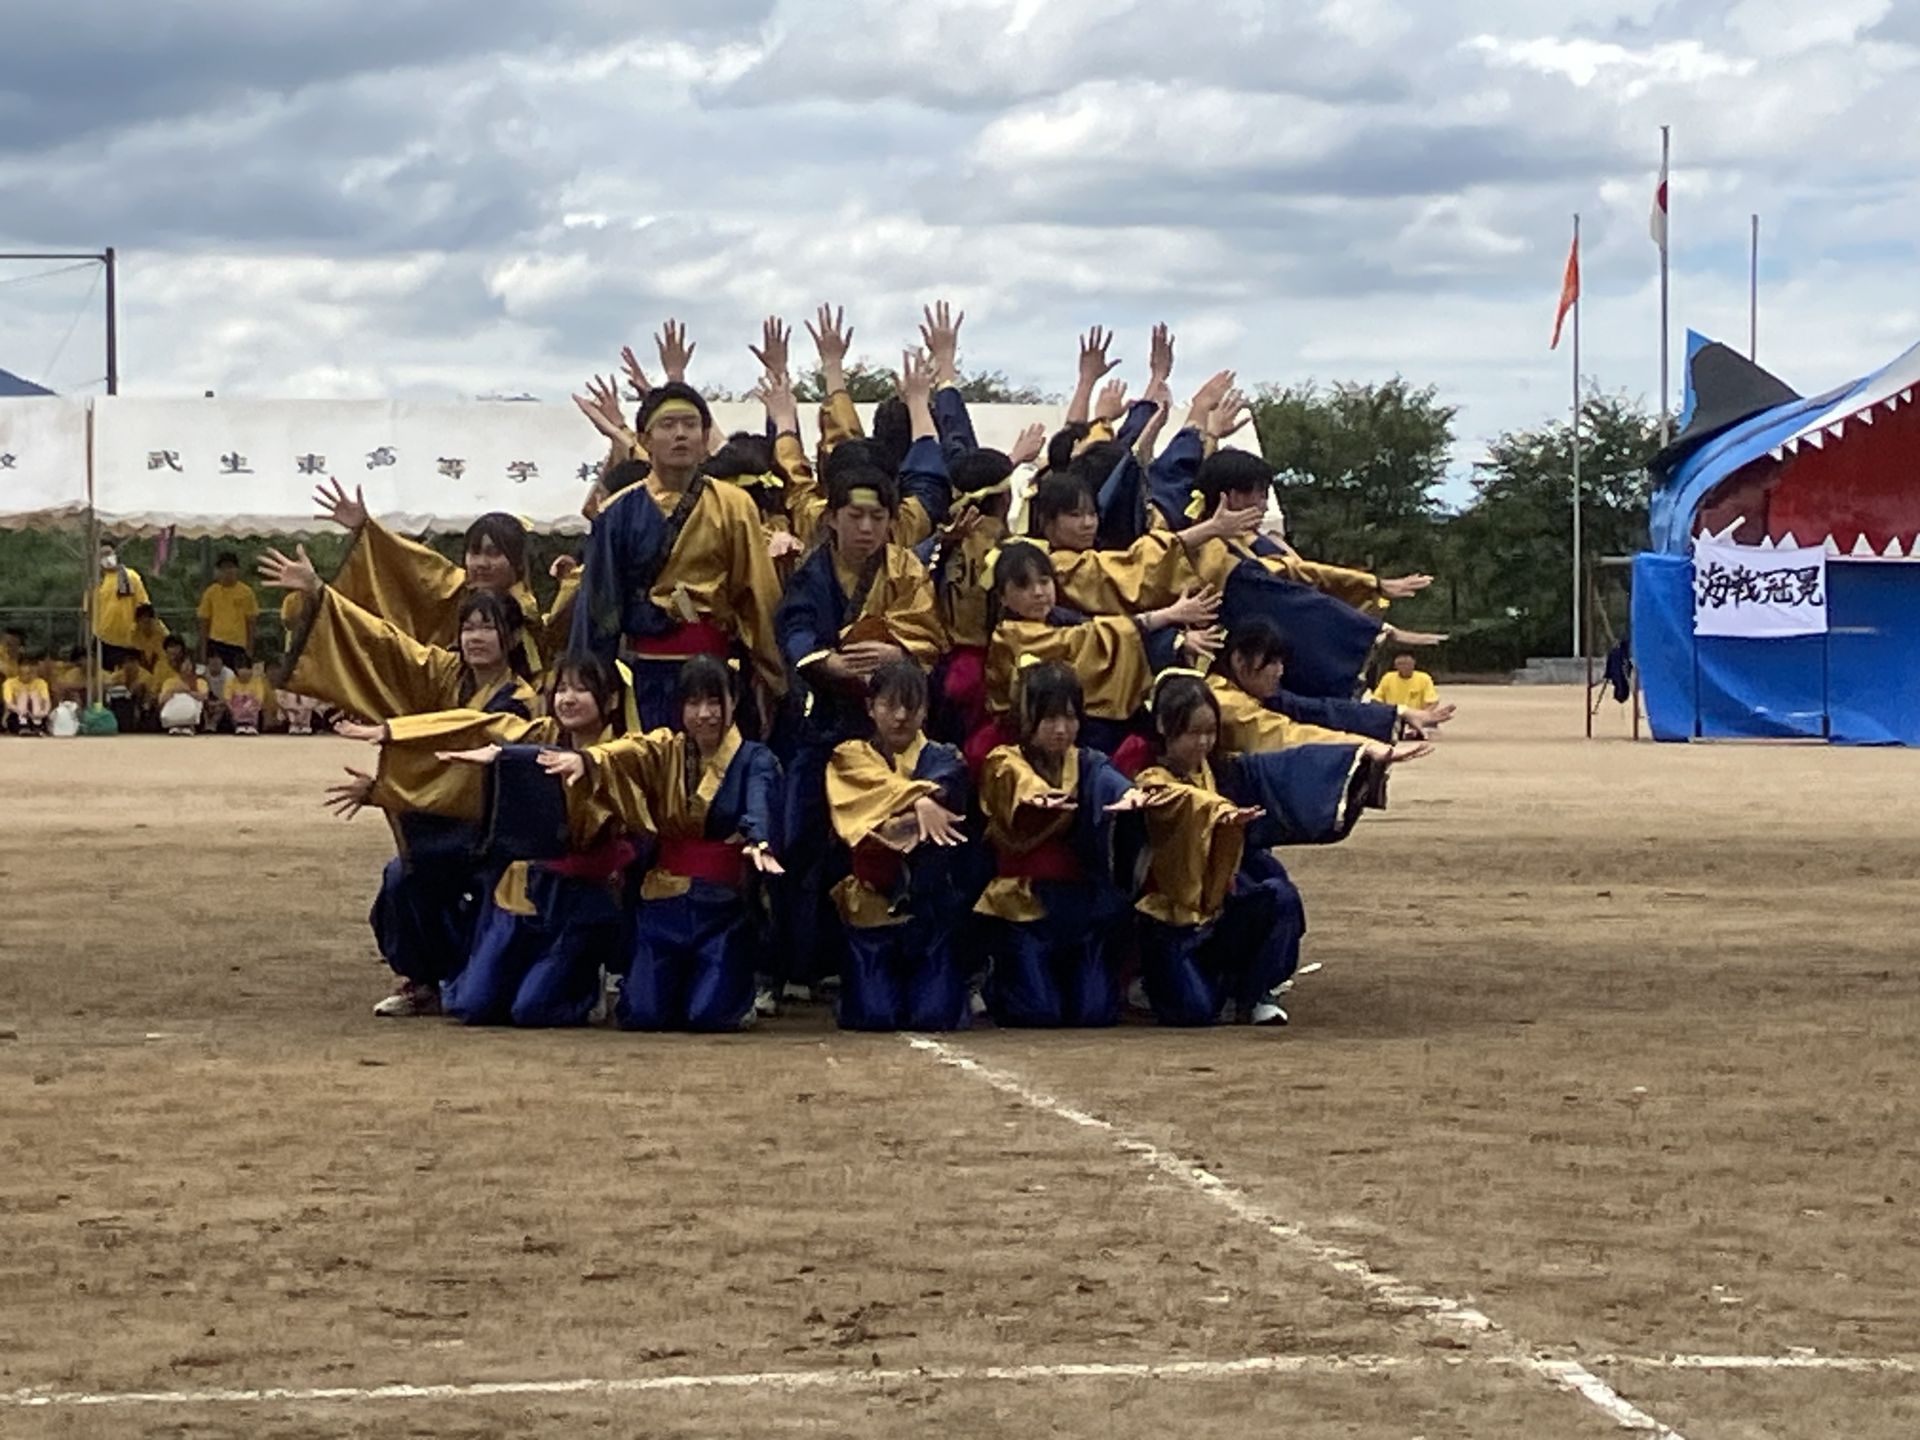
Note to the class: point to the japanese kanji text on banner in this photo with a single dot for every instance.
(1749, 593)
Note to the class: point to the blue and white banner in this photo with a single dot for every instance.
(1746, 592)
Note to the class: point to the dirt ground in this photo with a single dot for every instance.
(1615, 1042)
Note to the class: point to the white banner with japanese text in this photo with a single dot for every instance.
(43, 460)
(1746, 592)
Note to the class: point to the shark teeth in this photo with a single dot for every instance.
(1865, 417)
(1832, 546)
(1862, 546)
(1837, 429)
(1894, 550)
(1817, 439)
(1766, 542)
(1787, 542)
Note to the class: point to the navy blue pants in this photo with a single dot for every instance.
(1060, 971)
(813, 942)
(423, 917)
(539, 970)
(690, 963)
(1192, 971)
(903, 977)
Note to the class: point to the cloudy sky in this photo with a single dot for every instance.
(416, 198)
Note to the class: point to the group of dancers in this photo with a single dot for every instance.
(939, 729)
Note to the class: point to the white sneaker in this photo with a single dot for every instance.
(1268, 1013)
(976, 1004)
(1137, 996)
(408, 1000)
(765, 1002)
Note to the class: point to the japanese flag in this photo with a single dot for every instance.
(1657, 221)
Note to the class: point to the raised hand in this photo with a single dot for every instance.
(1208, 397)
(1437, 713)
(916, 378)
(1203, 644)
(1231, 414)
(775, 393)
(1194, 610)
(782, 543)
(1054, 800)
(637, 382)
(286, 572)
(606, 419)
(938, 825)
(569, 765)
(1394, 635)
(1139, 799)
(1160, 358)
(563, 566)
(335, 506)
(960, 526)
(1404, 586)
(941, 335)
(675, 353)
(347, 798)
(1245, 815)
(1403, 753)
(1112, 403)
(775, 343)
(863, 657)
(354, 730)
(479, 755)
(1226, 524)
(1026, 449)
(1094, 364)
(832, 338)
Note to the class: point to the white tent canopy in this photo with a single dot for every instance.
(43, 461)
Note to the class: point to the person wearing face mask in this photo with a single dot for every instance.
(1052, 915)
(857, 602)
(116, 601)
(418, 589)
(346, 658)
(677, 564)
(1114, 656)
(711, 798)
(898, 802)
(545, 922)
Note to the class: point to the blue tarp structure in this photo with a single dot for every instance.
(12, 387)
(1859, 684)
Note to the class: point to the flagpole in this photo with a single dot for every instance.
(1666, 153)
(1577, 649)
(1753, 294)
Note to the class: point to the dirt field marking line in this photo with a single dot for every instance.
(1389, 1289)
(760, 1380)
(1847, 1364)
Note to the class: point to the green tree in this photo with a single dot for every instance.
(869, 384)
(1508, 556)
(1360, 467)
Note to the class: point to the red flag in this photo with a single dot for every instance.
(1569, 292)
(1657, 220)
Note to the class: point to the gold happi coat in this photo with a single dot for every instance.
(1150, 573)
(1108, 653)
(866, 791)
(1010, 789)
(658, 784)
(1247, 726)
(1195, 851)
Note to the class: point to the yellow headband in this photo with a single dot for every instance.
(993, 556)
(865, 495)
(1168, 674)
(675, 406)
(967, 497)
(629, 707)
(1197, 506)
(767, 481)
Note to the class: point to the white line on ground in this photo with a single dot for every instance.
(1389, 1289)
(756, 1380)
(1849, 1364)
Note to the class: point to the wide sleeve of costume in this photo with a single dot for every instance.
(1107, 652)
(1172, 477)
(1122, 499)
(411, 778)
(1312, 793)
(760, 805)
(805, 502)
(839, 421)
(627, 529)
(913, 609)
(864, 791)
(955, 425)
(754, 593)
(1331, 640)
(1195, 850)
(1247, 726)
(1149, 573)
(533, 815)
(1358, 588)
(1367, 718)
(367, 666)
(925, 491)
(631, 776)
(403, 581)
(808, 621)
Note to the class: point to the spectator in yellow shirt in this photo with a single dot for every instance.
(228, 609)
(249, 697)
(149, 635)
(116, 599)
(28, 698)
(1404, 685)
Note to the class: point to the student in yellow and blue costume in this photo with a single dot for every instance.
(709, 799)
(677, 565)
(552, 910)
(1053, 914)
(367, 667)
(897, 801)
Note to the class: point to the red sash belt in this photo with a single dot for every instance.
(1053, 860)
(877, 866)
(699, 637)
(720, 862)
(601, 863)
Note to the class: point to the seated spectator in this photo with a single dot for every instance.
(249, 698)
(149, 635)
(68, 678)
(1405, 685)
(181, 693)
(28, 697)
(218, 676)
(128, 693)
(295, 710)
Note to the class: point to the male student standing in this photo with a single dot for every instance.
(228, 610)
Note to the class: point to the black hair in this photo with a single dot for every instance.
(226, 557)
(507, 533)
(1017, 564)
(1406, 655)
(76, 653)
(848, 478)
(672, 390)
(901, 680)
(506, 618)
(1060, 447)
(243, 661)
(1095, 463)
(748, 455)
(599, 679)
(977, 470)
(1046, 690)
(1226, 470)
(856, 452)
(171, 641)
(1258, 642)
(892, 434)
(140, 612)
(33, 657)
(17, 633)
(1059, 494)
(1177, 700)
(704, 678)
(626, 472)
